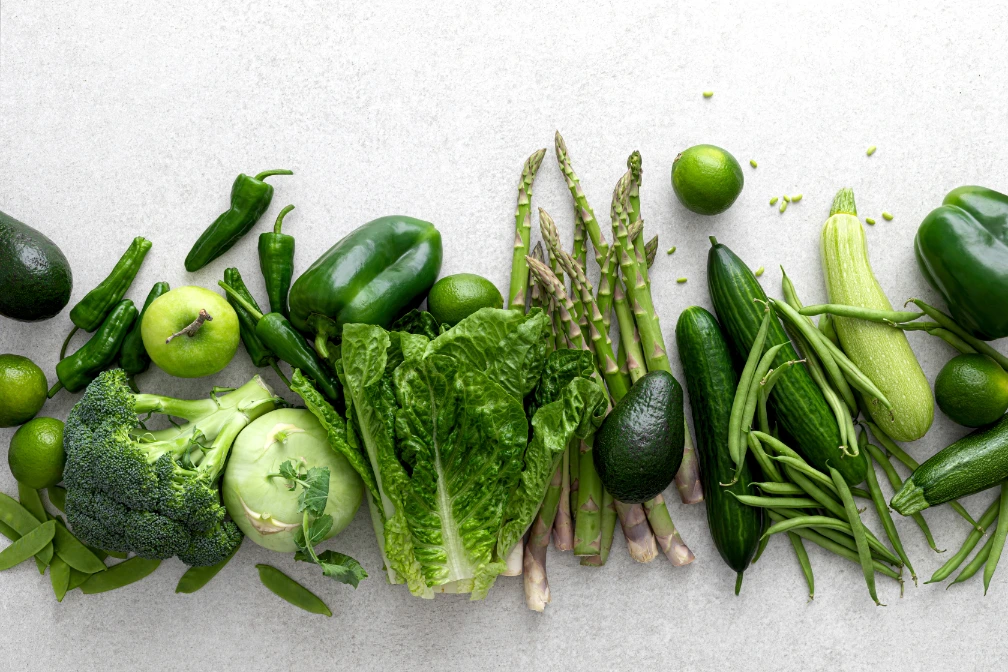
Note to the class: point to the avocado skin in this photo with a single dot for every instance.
(35, 277)
(639, 447)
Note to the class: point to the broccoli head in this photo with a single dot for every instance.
(154, 493)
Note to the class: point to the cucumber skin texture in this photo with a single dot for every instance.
(799, 404)
(711, 382)
(976, 462)
(881, 352)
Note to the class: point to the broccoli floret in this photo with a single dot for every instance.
(154, 493)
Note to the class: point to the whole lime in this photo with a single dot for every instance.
(211, 340)
(706, 179)
(23, 389)
(972, 390)
(36, 456)
(455, 297)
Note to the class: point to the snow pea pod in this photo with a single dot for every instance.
(197, 577)
(17, 521)
(73, 552)
(27, 546)
(30, 499)
(119, 575)
(59, 576)
(57, 496)
(290, 590)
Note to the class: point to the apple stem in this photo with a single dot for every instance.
(191, 330)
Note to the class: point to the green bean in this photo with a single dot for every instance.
(858, 313)
(828, 329)
(778, 502)
(913, 465)
(815, 521)
(897, 483)
(950, 324)
(745, 381)
(1000, 533)
(962, 346)
(854, 376)
(802, 466)
(57, 497)
(764, 416)
(290, 590)
(74, 553)
(830, 545)
(59, 576)
(817, 342)
(119, 575)
(769, 468)
(860, 538)
(784, 489)
(978, 561)
(30, 500)
(750, 403)
(803, 560)
(815, 370)
(760, 548)
(197, 577)
(972, 539)
(27, 546)
(883, 511)
(845, 539)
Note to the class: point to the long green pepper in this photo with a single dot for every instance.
(80, 368)
(133, 357)
(276, 260)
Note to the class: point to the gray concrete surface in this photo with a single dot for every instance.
(119, 119)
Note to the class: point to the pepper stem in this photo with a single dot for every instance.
(67, 342)
(193, 327)
(54, 389)
(280, 218)
(279, 171)
(713, 241)
(240, 300)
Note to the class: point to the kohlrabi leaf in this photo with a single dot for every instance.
(506, 345)
(342, 568)
(418, 322)
(289, 471)
(464, 435)
(577, 413)
(318, 529)
(314, 491)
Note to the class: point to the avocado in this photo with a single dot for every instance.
(35, 277)
(639, 447)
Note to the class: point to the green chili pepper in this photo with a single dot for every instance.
(280, 336)
(259, 353)
(133, 356)
(92, 310)
(80, 368)
(276, 259)
(250, 196)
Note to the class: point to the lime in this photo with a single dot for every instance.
(36, 456)
(972, 390)
(23, 389)
(706, 179)
(456, 297)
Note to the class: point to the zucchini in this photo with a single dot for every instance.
(800, 407)
(711, 381)
(973, 463)
(881, 352)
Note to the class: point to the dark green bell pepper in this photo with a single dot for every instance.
(962, 250)
(375, 274)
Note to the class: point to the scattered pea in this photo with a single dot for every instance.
(708, 94)
(671, 250)
(752, 162)
(787, 199)
(759, 271)
(681, 280)
(796, 198)
(871, 150)
(773, 201)
(887, 216)
(783, 206)
(869, 220)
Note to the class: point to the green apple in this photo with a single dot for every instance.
(181, 343)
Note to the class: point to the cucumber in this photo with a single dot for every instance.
(800, 407)
(973, 463)
(881, 352)
(711, 381)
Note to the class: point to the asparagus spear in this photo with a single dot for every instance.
(565, 305)
(665, 532)
(579, 252)
(591, 224)
(650, 250)
(633, 200)
(537, 592)
(588, 523)
(563, 527)
(640, 540)
(608, 530)
(523, 231)
(629, 338)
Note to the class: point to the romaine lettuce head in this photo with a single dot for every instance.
(443, 423)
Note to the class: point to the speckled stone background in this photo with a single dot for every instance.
(128, 118)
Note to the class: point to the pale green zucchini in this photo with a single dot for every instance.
(881, 352)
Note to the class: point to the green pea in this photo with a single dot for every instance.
(871, 150)
(752, 162)
(27, 546)
(708, 94)
(796, 198)
(886, 216)
(680, 280)
(759, 271)
(197, 577)
(59, 575)
(773, 201)
(290, 590)
(119, 575)
(869, 220)
(671, 250)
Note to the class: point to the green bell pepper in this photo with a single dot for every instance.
(375, 274)
(962, 250)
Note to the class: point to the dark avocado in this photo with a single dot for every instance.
(639, 447)
(35, 277)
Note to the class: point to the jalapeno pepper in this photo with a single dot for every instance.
(133, 357)
(280, 336)
(250, 196)
(80, 368)
(372, 276)
(276, 260)
(258, 352)
(91, 311)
